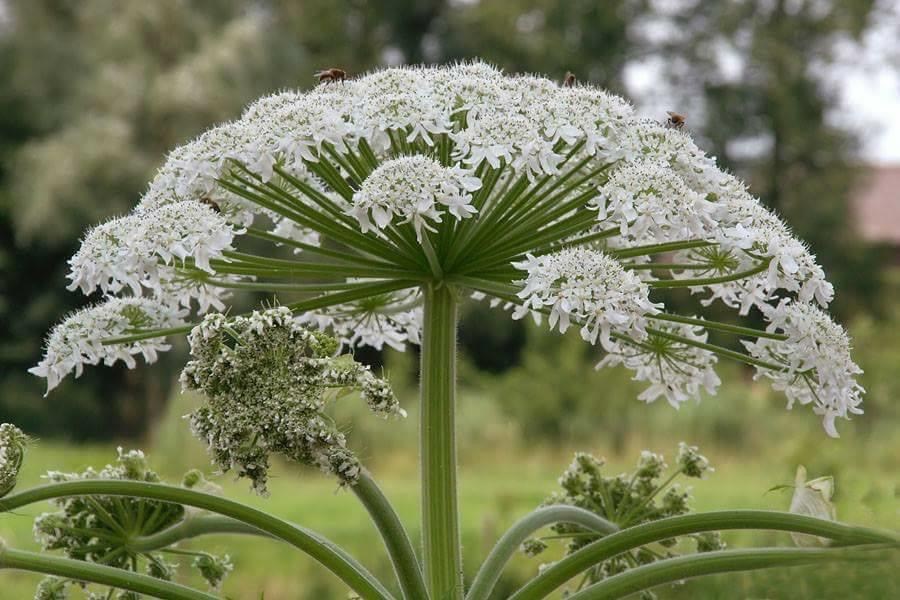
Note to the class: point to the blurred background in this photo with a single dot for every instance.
(800, 97)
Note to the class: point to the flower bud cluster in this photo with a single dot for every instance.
(627, 500)
(12, 452)
(78, 340)
(266, 378)
(814, 363)
(101, 529)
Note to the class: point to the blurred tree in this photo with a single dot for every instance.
(92, 95)
(593, 40)
(754, 78)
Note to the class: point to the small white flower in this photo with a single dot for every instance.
(393, 319)
(675, 370)
(816, 367)
(651, 204)
(78, 340)
(587, 287)
(413, 189)
(140, 251)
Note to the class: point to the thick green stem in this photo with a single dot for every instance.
(440, 515)
(80, 570)
(647, 533)
(191, 527)
(396, 540)
(709, 563)
(509, 543)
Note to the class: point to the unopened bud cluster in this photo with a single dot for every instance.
(103, 529)
(12, 452)
(628, 499)
(267, 378)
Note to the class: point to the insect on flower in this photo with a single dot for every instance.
(569, 80)
(675, 120)
(331, 75)
(211, 203)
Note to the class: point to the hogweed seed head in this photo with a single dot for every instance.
(549, 200)
(266, 378)
(13, 442)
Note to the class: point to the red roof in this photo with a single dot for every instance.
(876, 205)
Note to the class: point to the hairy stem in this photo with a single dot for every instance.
(709, 563)
(396, 540)
(647, 533)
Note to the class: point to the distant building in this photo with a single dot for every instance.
(876, 205)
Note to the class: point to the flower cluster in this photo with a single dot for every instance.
(586, 287)
(266, 378)
(79, 339)
(812, 365)
(140, 252)
(105, 529)
(12, 452)
(650, 203)
(674, 369)
(627, 500)
(551, 199)
(393, 319)
(413, 188)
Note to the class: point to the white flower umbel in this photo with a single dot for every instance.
(143, 251)
(589, 288)
(674, 369)
(413, 189)
(78, 340)
(393, 320)
(651, 204)
(814, 360)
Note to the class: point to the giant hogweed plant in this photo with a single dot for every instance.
(400, 194)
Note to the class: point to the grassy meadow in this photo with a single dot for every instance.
(497, 484)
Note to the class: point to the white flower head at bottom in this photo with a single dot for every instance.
(78, 340)
(675, 370)
(587, 287)
(816, 367)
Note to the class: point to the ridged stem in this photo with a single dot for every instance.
(440, 515)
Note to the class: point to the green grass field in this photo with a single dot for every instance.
(497, 485)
